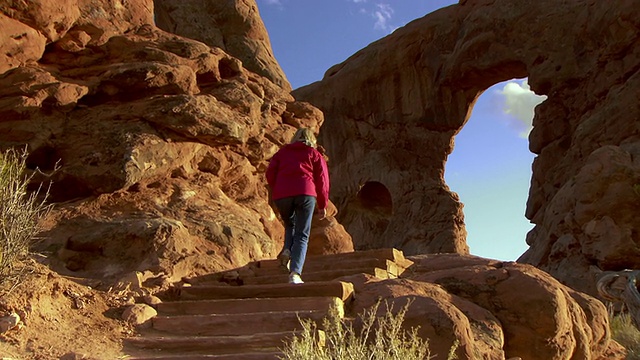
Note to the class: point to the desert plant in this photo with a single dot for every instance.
(380, 338)
(626, 334)
(20, 211)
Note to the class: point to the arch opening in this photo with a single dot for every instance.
(371, 208)
(375, 197)
(490, 170)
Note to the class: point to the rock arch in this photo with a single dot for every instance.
(393, 108)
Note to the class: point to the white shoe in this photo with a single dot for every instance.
(284, 258)
(295, 279)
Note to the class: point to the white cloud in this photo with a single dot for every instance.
(359, 1)
(382, 15)
(273, 2)
(519, 104)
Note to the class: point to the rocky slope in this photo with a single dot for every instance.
(155, 144)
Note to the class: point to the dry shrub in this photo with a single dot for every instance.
(624, 331)
(381, 338)
(20, 211)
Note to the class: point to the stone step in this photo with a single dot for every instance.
(252, 321)
(238, 306)
(246, 356)
(404, 264)
(343, 259)
(235, 324)
(339, 289)
(212, 345)
(316, 276)
(322, 266)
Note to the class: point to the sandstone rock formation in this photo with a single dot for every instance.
(328, 236)
(84, 22)
(234, 26)
(155, 145)
(398, 104)
(488, 309)
(495, 310)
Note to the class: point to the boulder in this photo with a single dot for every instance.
(328, 236)
(139, 314)
(492, 309)
(20, 44)
(9, 322)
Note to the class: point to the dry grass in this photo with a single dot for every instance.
(20, 212)
(381, 338)
(624, 331)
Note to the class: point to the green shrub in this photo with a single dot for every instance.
(20, 211)
(379, 339)
(624, 331)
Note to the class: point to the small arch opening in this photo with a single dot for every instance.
(375, 197)
(369, 211)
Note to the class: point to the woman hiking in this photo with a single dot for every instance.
(299, 181)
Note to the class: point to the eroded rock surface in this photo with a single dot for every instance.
(328, 236)
(495, 310)
(234, 26)
(393, 109)
(155, 145)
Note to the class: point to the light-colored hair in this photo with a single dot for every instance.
(306, 136)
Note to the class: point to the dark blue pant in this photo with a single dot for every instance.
(296, 212)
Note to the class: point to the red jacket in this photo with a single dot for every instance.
(298, 169)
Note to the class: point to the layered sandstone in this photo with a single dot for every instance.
(393, 109)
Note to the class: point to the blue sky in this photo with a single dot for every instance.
(490, 167)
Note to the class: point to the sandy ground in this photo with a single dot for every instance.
(62, 318)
